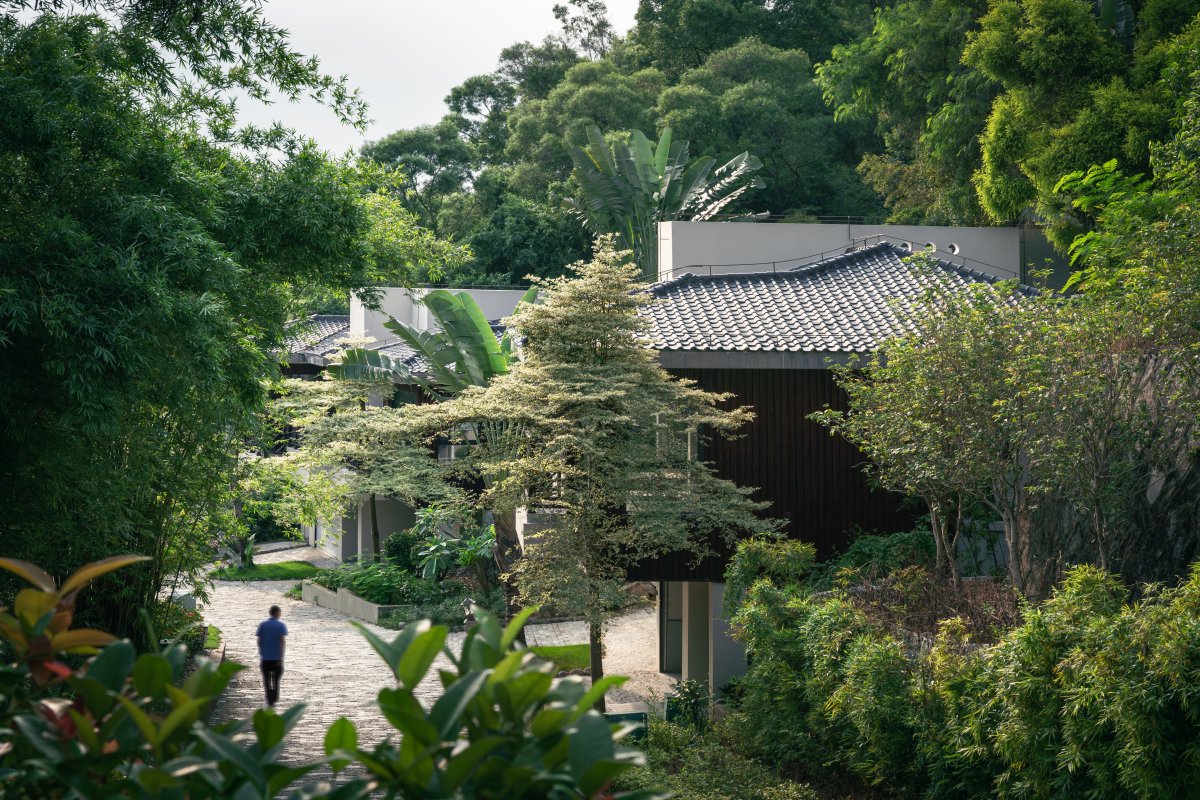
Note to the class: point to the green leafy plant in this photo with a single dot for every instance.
(689, 703)
(626, 189)
(400, 548)
(436, 556)
(380, 582)
(133, 726)
(501, 729)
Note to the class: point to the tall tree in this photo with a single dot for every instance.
(906, 77)
(463, 352)
(626, 190)
(149, 249)
(1080, 86)
(596, 438)
(757, 98)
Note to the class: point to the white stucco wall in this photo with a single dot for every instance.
(704, 248)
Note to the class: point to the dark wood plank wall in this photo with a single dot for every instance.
(813, 481)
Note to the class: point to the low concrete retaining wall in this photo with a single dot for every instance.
(312, 593)
(355, 606)
(345, 601)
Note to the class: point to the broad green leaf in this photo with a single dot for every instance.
(112, 666)
(32, 573)
(81, 640)
(342, 736)
(184, 714)
(33, 606)
(596, 691)
(513, 629)
(95, 695)
(407, 715)
(230, 751)
(151, 674)
(268, 727)
(89, 572)
(590, 742)
(458, 767)
(419, 655)
(86, 731)
(154, 780)
(446, 715)
(141, 720)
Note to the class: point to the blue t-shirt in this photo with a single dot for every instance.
(270, 639)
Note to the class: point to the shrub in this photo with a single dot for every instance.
(447, 608)
(706, 766)
(876, 556)
(400, 548)
(381, 582)
(1090, 696)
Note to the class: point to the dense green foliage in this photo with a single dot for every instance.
(1091, 696)
(707, 766)
(501, 728)
(983, 106)
(930, 111)
(380, 582)
(731, 76)
(591, 432)
(1069, 419)
(151, 254)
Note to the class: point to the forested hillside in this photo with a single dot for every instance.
(926, 111)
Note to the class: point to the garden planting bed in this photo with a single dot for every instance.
(346, 601)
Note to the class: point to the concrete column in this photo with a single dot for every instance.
(726, 656)
(670, 630)
(696, 631)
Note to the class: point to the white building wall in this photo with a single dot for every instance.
(704, 248)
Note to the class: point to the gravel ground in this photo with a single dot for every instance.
(333, 669)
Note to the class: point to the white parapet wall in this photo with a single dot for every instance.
(704, 248)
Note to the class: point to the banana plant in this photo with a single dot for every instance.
(464, 352)
(626, 190)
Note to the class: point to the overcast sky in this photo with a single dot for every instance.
(403, 55)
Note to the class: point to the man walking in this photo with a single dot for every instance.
(272, 638)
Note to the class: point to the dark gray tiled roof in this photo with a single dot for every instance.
(317, 335)
(840, 305)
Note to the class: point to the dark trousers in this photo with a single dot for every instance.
(272, 671)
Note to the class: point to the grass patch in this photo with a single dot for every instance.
(213, 638)
(566, 656)
(283, 571)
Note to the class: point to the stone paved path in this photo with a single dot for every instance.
(332, 668)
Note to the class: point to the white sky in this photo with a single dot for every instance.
(403, 55)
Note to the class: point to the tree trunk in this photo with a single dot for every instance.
(596, 650)
(375, 528)
(507, 552)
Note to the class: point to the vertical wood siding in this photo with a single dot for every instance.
(813, 481)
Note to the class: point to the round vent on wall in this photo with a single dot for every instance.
(930, 247)
(906, 247)
(952, 249)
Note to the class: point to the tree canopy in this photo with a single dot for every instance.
(920, 112)
(153, 251)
